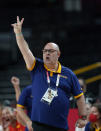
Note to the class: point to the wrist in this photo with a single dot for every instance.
(18, 34)
(16, 86)
(83, 117)
(28, 121)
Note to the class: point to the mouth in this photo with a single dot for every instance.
(6, 119)
(6, 122)
(47, 58)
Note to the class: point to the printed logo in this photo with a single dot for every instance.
(63, 76)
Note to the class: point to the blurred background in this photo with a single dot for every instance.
(75, 25)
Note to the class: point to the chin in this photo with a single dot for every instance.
(47, 62)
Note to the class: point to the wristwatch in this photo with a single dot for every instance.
(83, 117)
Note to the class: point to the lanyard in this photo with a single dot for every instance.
(57, 81)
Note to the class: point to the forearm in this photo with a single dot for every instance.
(17, 92)
(23, 115)
(22, 44)
(20, 120)
(81, 106)
(25, 119)
(24, 48)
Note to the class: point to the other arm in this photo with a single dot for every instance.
(25, 119)
(16, 84)
(82, 112)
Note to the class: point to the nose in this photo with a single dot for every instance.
(47, 52)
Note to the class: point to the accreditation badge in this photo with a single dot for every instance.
(49, 96)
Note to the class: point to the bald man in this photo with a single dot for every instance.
(52, 85)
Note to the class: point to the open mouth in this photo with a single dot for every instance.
(6, 122)
(5, 119)
(47, 58)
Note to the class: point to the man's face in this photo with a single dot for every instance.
(50, 54)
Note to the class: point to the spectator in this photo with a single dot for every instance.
(24, 101)
(94, 123)
(9, 121)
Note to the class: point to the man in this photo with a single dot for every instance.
(24, 101)
(50, 113)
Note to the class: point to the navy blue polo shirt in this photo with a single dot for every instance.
(56, 113)
(25, 100)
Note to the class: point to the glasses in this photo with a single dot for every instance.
(48, 50)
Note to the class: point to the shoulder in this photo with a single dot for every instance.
(38, 63)
(27, 89)
(67, 70)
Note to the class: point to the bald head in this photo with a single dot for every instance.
(51, 54)
(53, 46)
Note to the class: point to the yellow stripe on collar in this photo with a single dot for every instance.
(58, 71)
(51, 74)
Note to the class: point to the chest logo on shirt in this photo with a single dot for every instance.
(63, 76)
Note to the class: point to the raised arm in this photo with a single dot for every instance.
(22, 44)
(16, 84)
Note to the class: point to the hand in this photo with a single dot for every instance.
(15, 81)
(81, 123)
(29, 125)
(18, 26)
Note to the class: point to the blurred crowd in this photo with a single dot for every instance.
(11, 119)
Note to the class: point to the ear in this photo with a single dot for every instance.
(59, 53)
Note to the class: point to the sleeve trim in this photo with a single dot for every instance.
(78, 95)
(21, 106)
(30, 69)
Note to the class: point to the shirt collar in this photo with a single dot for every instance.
(96, 129)
(58, 70)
